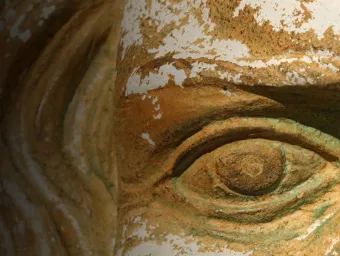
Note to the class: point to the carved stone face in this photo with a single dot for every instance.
(213, 129)
(227, 128)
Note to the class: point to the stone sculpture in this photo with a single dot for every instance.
(152, 127)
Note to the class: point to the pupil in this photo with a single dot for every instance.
(251, 165)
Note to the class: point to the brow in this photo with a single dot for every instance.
(281, 76)
(317, 107)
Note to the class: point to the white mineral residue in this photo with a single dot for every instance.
(137, 85)
(146, 136)
(173, 245)
(291, 16)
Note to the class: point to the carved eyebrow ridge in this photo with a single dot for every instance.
(249, 71)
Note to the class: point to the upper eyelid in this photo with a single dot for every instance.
(222, 132)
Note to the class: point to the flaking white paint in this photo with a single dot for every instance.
(133, 12)
(137, 85)
(183, 42)
(157, 109)
(193, 40)
(173, 244)
(289, 15)
(157, 116)
(233, 78)
(198, 67)
(330, 249)
(294, 78)
(146, 136)
(160, 14)
(167, 72)
(314, 227)
(47, 11)
(227, 93)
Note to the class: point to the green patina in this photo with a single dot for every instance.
(321, 210)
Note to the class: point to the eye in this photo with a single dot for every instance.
(254, 168)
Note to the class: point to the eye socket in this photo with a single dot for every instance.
(253, 168)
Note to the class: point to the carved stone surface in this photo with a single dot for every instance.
(178, 127)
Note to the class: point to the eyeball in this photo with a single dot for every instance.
(250, 167)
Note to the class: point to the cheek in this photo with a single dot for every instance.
(163, 233)
(147, 237)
